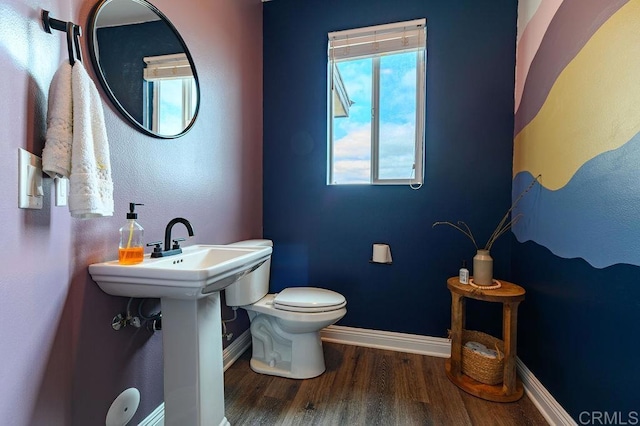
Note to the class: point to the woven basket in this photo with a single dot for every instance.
(481, 368)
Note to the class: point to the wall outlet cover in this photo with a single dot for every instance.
(61, 188)
(30, 193)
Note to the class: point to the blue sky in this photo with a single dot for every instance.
(352, 135)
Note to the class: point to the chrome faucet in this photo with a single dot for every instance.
(168, 249)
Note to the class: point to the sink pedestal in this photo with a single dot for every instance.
(193, 368)
(188, 285)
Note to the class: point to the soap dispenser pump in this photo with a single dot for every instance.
(131, 244)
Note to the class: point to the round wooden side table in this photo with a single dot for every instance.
(510, 295)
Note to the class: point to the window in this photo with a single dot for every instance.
(169, 93)
(377, 104)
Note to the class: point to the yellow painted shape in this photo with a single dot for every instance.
(593, 107)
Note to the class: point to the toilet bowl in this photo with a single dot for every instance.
(285, 326)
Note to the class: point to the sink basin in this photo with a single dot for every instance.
(195, 273)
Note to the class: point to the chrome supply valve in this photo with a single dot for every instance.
(120, 321)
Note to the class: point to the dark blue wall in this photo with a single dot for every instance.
(577, 330)
(323, 235)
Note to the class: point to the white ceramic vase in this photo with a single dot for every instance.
(483, 268)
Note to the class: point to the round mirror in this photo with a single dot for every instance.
(144, 66)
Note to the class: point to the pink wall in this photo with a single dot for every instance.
(60, 361)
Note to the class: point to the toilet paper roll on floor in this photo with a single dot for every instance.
(381, 253)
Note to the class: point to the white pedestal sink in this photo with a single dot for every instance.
(188, 286)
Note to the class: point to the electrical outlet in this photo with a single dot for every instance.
(61, 189)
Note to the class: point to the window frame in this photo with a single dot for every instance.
(161, 68)
(420, 108)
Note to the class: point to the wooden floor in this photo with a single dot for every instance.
(364, 386)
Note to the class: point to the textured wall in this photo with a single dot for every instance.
(577, 124)
(61, 363)
(324, 234)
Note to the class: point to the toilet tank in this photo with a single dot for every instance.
(252, 287)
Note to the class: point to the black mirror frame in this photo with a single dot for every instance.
(105, 84)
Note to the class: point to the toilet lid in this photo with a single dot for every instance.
(308, 299)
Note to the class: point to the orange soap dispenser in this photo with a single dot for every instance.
(131, 243)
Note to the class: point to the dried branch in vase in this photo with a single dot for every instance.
(504, 225)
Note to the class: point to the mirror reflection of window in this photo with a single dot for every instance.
(124, 32)
(169, 93)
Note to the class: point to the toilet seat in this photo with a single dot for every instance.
(308, 299)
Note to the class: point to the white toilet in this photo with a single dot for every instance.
(285, 327)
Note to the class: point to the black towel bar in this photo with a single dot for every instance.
(73, 31)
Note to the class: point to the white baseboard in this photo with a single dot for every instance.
(400, 342)
(229, 355)
(235, 349)
(156, 418)
(542, 399)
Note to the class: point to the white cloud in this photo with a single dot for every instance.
(396, 137)
(352, 155)
(352, 171)
(356, 143)
(397, 143)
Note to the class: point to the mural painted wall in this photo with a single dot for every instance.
(577, 118)
(577, 123)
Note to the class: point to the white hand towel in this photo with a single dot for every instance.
(56, 155)
(90, 184)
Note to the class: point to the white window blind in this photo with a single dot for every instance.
(167, 67)
(376, 40)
